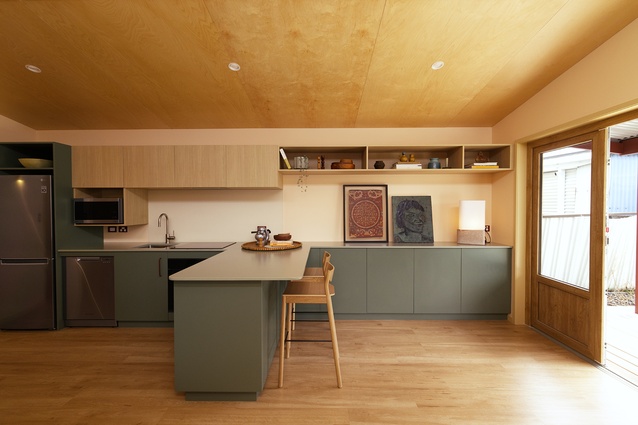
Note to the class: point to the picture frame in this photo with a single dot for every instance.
(365, 213)
(412, 219)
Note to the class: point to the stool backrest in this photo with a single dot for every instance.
(325, 260)
(329, 270)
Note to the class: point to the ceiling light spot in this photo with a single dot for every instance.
(33, 68)
(234, 66)
(438, 65)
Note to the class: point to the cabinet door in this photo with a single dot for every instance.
(141, 286)
(97, 166)
(437, 280)
(200, 166)
(149, 166)
(253, 166)
(349, 280)
(486, 280)
(390, 273)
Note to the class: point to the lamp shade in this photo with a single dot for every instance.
(472, 215)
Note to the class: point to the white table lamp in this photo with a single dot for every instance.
(471, 229)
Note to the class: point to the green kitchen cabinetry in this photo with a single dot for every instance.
(430, 282)
(141, 283)
(486, 287)
(141, 286)
(349, 279)
(390, 275)
(437, 280)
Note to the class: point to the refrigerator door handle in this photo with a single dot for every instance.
(23, 261)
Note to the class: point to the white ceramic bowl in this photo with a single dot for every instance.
(35, 163)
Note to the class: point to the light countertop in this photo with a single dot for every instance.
(237, 264)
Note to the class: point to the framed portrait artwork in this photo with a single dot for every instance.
(365, 211)
(412, 219)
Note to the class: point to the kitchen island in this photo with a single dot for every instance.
(226, 320)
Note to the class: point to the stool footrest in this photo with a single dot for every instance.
(309, 312)
(308, 340)
(309, 320)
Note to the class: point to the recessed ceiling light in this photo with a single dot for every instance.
(234, 66)
(438, 65)
(33, 68)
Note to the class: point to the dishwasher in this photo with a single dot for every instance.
(89, 292)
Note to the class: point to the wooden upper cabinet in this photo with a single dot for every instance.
(97, 166)
(200, 166)
(176, 166)
(149, 166)
(252, 166)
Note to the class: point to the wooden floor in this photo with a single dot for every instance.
(394, 372)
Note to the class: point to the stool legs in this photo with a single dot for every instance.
(335, 344)
(290, 308)
(287, 311)
(282, 342)
(307, 291)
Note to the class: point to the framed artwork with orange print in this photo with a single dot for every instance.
(365, 211)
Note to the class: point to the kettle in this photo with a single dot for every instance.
(262, 235)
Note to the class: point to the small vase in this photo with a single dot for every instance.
(434, 163)
(379, 165)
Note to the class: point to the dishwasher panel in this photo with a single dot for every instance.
(90, 291)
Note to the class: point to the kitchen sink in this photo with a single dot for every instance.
(156, 245)
(185, 245)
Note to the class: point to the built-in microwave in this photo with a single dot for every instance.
(98, 211)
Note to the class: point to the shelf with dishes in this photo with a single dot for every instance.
(396, 159)
(26, 157)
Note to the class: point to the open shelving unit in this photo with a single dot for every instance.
(11, 152)
(453, 158)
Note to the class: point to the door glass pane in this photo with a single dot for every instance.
(565, 207)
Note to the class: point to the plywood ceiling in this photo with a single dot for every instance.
(133, 64)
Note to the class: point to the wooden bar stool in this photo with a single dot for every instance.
(307, 291)
(318, 271)
(313, 273)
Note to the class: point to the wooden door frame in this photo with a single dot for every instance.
(589, 309)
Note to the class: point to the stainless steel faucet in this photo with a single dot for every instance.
(167, 235)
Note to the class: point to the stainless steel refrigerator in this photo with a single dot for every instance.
(26, 253)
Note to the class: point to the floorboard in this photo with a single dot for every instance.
(394, 372)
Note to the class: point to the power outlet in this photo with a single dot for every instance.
(487, 227)
(112, 229)
(122, 229)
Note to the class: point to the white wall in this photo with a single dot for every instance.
(603, 84)
(317, 213)
(208, 215)
(11, 131)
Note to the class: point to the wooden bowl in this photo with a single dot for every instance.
(35, 163)
(342, 166)
(282, 237)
